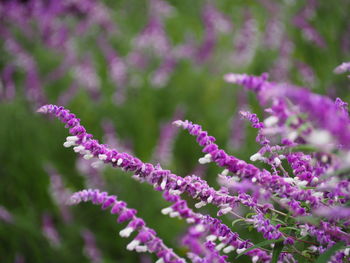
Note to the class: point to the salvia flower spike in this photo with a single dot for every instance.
(288, 192)
(146, 239)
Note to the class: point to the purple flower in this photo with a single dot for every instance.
(342, 68)
(90, 249)
(59, 193)
(50, 231)
(268, 230)
(286, 191)
(5, 215)
(145, 240)
(301, 20)
(162, 153)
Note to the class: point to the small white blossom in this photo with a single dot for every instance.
(289, 180)
(255, 259)
(255, 157)
(221, 238)
(205, 159)
(317, 194)
(79, 149)
(210, 199)
(174, 214)
(174, 192)
(167, 210)
(228, 249)
(277, 161)
(68, 144)
(141, 249)
(200, 204)
(178, 123)
(313, 248)
(211, 238)
(225, 210)
(190, 220)
(220, 246)
(270, 121)
(303, 232)
(225, 172)
(163, 184)
(292, 135)
(240, 250)
(102, 157)
(200, 228)
(302, 183)
(72, 138)
(132, 245)
(126, 232)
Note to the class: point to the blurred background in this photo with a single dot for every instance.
(128, 68)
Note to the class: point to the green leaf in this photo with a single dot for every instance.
(324, 258)
(288, 228)
(308, 219)
(278, 221)
(261, 244)
(250, 228)
(237, 220)
(277, 249)
(249, 215)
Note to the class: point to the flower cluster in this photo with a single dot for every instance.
(145, 240)
(294, 190)
(276, 203)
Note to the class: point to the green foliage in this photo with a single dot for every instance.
(326, 256)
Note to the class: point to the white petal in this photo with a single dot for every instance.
(120, 161)
(160, 260)
(225, 210)
(270, 121)
(102, 157)
(220, 246)
(167, 210)
(200, 204)
(255, 259)
(211, 238)
(72, 138)
(126, 232)
(68, 144)
(255, 157)
(174, 214)
(141, 249)
(228, 249)
(132, 245)
(200, 228)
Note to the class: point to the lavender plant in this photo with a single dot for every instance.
(299, 202)
(130, 68)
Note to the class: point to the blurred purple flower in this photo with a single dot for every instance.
(90, 249)
(5, 215)
(50, 231)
